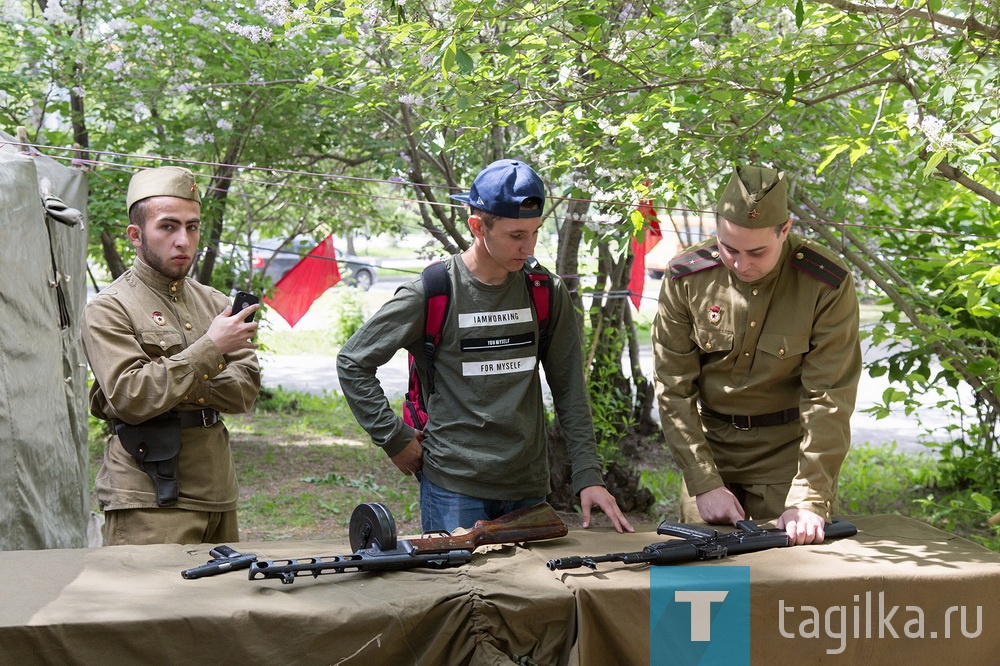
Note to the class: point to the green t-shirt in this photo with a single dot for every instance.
(485, 435)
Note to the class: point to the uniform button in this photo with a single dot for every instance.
(163, 343)
(222, 366)
(184, 398)
(201, 401)
(708, 345)
(752, 324)
(204, 376)
(174, 299)
(715, 255)
(188, 326)
(173, 287)
(781, 352)
(754, 292)
(799, 255)
(746, 353)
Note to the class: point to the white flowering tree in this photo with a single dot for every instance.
(884, 116)
(140, 84)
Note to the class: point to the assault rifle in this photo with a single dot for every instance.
(373, 539)
(224, 559)
(700, 543)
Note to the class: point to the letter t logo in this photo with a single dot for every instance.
(684, 603)
(701, 610)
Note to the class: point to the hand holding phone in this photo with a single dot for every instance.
(244, 300)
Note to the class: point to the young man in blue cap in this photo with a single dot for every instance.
(483, 450)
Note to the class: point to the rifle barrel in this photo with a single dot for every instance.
(288, 570)
(219, 566)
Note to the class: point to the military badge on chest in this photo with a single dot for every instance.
(714, 314)
(159, 319)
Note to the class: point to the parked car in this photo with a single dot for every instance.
(274, 260)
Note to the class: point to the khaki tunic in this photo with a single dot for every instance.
(144, 336)
(787, 340)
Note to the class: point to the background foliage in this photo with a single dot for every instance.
(361, 116)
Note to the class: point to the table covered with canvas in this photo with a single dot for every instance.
(129, 604)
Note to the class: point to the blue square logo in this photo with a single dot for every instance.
(699, 615)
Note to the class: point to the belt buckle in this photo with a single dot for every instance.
(206, 418)
(738, 420)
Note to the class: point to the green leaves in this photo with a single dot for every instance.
(789, 88)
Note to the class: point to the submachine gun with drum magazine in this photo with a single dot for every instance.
(700, 543)
(376, 548)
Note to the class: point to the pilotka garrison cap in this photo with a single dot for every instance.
(502, 187)
(755, 197)
(167, 181)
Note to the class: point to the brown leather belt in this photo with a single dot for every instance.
(759, 421)
(199, 418)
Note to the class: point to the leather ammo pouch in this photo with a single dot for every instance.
(155, 445)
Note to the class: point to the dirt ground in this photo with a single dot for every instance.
(307, 488)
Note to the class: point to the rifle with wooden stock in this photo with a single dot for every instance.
(700, 543)
(376, 548)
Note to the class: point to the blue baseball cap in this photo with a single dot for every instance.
(502, 187)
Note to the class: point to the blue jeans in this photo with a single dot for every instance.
(443, 510)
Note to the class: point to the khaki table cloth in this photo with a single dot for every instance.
(912, 566)
(130, 605)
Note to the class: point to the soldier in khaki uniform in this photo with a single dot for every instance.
(757, 362)
(167, 355)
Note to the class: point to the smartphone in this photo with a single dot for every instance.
(243, 300)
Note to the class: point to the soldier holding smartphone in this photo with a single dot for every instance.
(168, 355)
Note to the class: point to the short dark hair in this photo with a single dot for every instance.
(489, 218)
(137, 213)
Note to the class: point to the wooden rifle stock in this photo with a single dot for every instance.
(533, 523)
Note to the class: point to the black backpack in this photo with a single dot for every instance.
(437, 294)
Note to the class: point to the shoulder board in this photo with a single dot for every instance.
(692, 262)
(817, 265)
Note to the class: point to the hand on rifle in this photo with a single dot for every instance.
(592, 496)
(410, 459)
(719, 506)
(802, 526)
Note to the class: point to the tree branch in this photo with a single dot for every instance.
(957, 352)
(970, 23)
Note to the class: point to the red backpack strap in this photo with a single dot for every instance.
(437, 293)
(538, 283)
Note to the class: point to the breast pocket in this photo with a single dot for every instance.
(713, 340)
(160, 343)
(783, 346)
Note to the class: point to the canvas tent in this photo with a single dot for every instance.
(44, 481)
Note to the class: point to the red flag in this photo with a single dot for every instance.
(296, 291)
(637, 278)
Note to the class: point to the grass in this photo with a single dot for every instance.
(304, 463)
